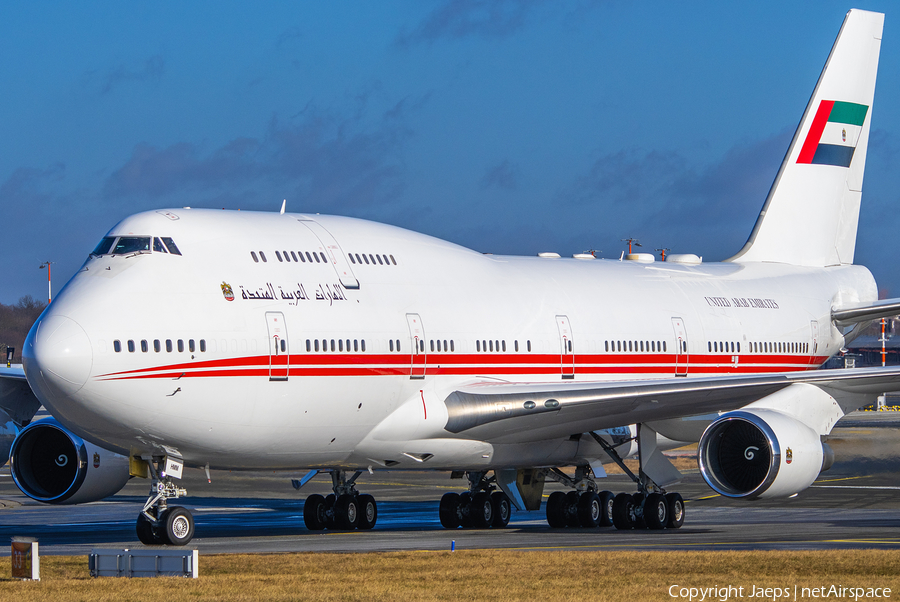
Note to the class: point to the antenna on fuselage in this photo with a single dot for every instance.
(632, 241)
(283, 204)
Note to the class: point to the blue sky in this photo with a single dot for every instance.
(505, 126)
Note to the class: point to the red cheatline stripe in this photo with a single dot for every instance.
(764, 364)
(815, 132)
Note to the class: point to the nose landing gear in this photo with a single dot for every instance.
(161, 524)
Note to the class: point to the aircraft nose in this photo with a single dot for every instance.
(59, 352)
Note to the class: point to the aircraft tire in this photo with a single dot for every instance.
(676, 510)
(589, 509)
(466, 518)
(572, 509)
(482, 510)
(145, 531)
(314, 512)
(449, 510)
(638, 501)
(556, 510)
(623, 512)
(346, 512)
(502, 510)
(329, 511)
(368, 512)
(656, 511)
(177, 526)
(606, 503)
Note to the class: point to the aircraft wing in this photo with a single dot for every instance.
(498, 411)
(853, 314)
(16, 398)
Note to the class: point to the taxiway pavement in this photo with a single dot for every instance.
(856, 504)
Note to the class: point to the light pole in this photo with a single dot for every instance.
(46, 264)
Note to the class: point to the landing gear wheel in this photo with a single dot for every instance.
(501, 510)
(346, 512)
(466, 518)
(177, 526)
(638, 500)
(676, 510)
(368, 512)
(656, 511)
(572, 509)
(448, 510)
(482, 510)
(314, 512)
(606, 505)
(145, 531)
(329, 511)
(589, 509)
(556, 510)
(623, 512)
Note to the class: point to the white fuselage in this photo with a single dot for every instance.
(232, 397)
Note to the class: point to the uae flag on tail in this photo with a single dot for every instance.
(834, 133)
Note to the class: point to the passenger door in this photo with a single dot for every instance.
(279, 357)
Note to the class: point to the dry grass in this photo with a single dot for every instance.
(494, 575)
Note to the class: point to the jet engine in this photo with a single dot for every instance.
(761, 453)
(52, 465)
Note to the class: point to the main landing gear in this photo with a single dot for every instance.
(344, 510)
(161, 524)
(482, 507)
(650, 508)
(586, 506)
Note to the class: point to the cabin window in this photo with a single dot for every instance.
(528, 345)
(191, 345)
(356, 345)
(391, 344)
(253, 255)
(366, 259)
(350, 255)
(477, 345)
(117, 346)
(283, 345)
(362, 345)
(130, 346)
(398, 345)
(432, 345)
(316, 344)
(378, 257)
(263, 257)
(156, 346)
(180, 346)
(372, 258)
(144, 346)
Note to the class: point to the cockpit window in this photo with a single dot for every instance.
(171, 245)
(104, 246)
(158, 246)
(131, 244)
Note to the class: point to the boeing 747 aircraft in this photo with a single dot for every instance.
(243, 341)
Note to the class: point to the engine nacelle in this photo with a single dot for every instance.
(760, 453)
(52, 465)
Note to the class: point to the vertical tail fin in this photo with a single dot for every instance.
(811, 213)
